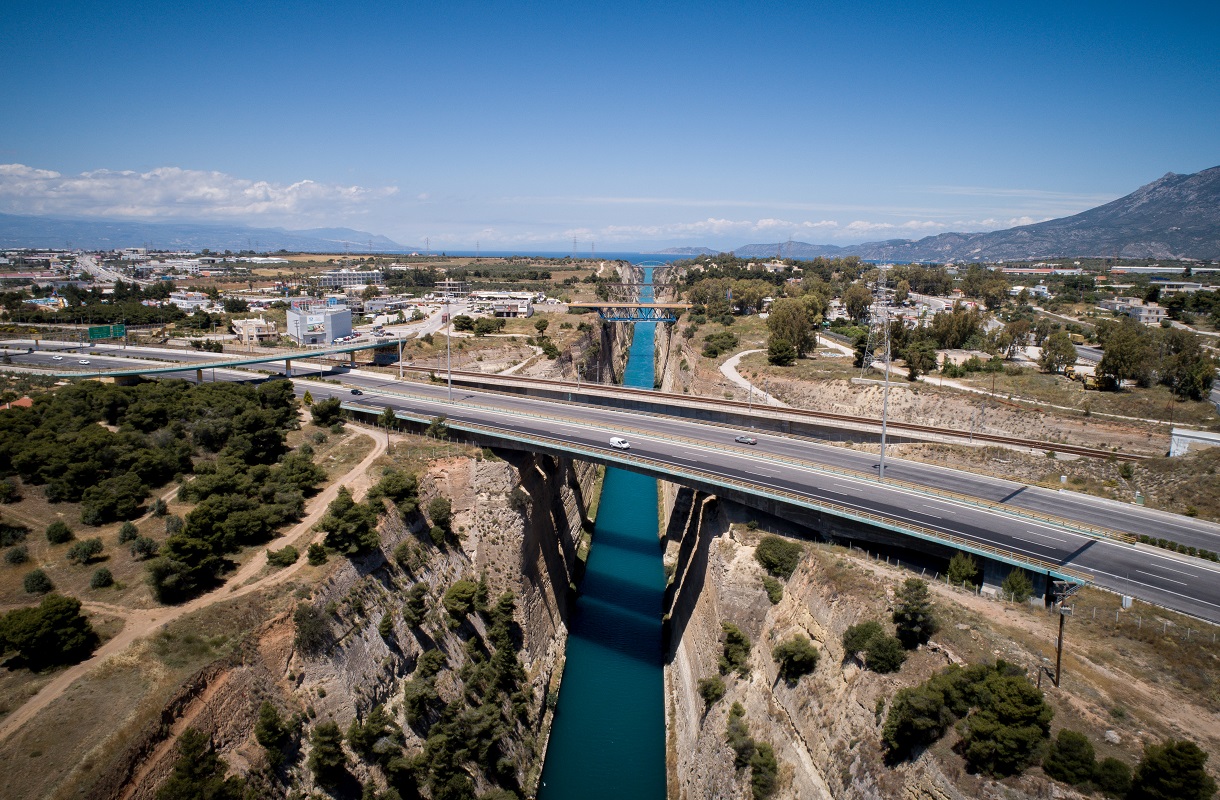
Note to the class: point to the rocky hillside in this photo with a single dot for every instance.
(516, 527)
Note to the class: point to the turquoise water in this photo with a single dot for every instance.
(608, 738)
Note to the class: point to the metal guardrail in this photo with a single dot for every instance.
(803, 413)
(958, 542)
(1093, 531)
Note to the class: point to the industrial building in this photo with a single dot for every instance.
(318, 324)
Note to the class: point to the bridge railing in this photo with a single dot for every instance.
(1093, 531)
(784, 495)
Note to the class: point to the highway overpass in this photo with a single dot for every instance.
(1014, 523)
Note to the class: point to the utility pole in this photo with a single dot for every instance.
(1063, 590)
(448, 350)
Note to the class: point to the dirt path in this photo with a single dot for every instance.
(142, 622)
(729, 370)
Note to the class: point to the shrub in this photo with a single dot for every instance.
(764, 771)
(174, 524)
(1017, 586)
(857, 637)
(778, 556)
(718, 343)
(59, 533)
(711, 689)
(316, 555)
(351, 527)
(144, 548)
(459, 598)
(128, 533)
(271, 733)
(1008, 730)
(101, 579)
(311, 628)
(159, 508)
(884, 654)
(1113, 777)
(437, 534)
(1173, 770)
(796, 657)
(54, 632)
(736, 650)
(199, 772)
(283, 557)
(9, 493)
(17, 555)
(962, 569)
(913, 614)
(440, 511)
(775, 589)
(84, 551)
(11, 534)
(36, 582)
(737, 733)
(325, 412)
(1070, 758)
(781, 353)
(416, 607)
(327, 760)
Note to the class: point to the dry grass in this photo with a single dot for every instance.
(78, 735)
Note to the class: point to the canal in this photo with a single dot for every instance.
(608, 736)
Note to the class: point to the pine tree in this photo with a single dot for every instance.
(913, 614)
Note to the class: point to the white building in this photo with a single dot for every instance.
(342, 278)
(507, 304)
(189, 302)
(254, 329)
(318, 324)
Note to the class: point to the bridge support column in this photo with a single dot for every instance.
(351, 359)
(199, 376)
(400, 359)
(288, 367)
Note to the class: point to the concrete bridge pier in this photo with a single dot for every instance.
(351, 360)
(199, 376)
(287, 367)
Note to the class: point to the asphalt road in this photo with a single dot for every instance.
(1189, 585)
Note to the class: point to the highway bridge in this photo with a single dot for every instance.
(1061, 533)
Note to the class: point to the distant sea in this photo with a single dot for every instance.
(634, 258)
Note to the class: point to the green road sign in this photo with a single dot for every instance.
(107, 332)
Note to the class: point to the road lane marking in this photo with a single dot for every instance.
(938, 508)
(1047, 536)
(1162, 577)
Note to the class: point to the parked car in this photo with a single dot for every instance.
(743, 439)
(619, 443)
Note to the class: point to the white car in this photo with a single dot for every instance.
(83, 361)
(619, 443)
(57, 358)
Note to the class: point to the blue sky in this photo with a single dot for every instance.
(632, 125)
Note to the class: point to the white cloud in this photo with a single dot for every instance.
(175, 193)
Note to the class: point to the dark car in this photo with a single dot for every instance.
(357, 391)
(745, 440)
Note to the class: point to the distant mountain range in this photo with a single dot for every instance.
(1177, 216)
(692, 251)
(50, 232)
